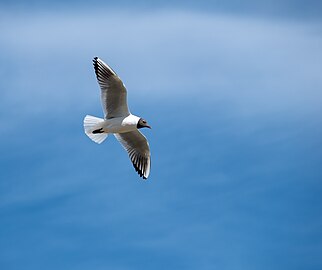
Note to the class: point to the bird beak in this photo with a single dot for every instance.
(148, 127)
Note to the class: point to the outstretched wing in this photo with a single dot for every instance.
(113, 91)
(138, 149)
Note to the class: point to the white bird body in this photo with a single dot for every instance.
(118, 120)
(118, 124)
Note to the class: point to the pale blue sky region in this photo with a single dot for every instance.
(234, 99)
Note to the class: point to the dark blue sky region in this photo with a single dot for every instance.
(233, 93)
(296, 9)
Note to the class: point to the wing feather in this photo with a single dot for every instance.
(138, 149)
(113, 91)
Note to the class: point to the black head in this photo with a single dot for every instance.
(142, 123)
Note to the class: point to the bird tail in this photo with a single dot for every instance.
(93, 128)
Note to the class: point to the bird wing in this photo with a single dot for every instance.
(138, 149)
(113, 91)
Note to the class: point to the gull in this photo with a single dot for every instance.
(118, 120)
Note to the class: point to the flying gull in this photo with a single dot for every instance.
(118, 119)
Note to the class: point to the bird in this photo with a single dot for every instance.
(118, 119)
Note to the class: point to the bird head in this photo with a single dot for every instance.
(142, 123)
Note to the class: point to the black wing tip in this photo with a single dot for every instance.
(102, 68)
(140, 172)
(95, 64)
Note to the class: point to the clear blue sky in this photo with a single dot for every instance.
(234, 95)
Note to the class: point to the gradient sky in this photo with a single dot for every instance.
(233, 93)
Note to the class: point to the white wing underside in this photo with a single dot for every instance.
(113, 91)
(138, 149)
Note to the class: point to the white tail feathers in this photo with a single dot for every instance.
(92, 123)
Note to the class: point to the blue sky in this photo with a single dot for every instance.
(233, 93)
